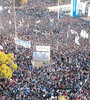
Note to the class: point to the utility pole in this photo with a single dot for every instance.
(1, 10)
(58, 10)
(15, 21)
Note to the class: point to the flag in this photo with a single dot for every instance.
(74, 32)
(26, 44)
(83, 34)
(77, 40)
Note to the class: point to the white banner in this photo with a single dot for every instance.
(43, 48)
(42, 53)
(26, 44)
(41, 56)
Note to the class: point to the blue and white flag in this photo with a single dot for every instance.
(77, 40)
(84, 34)
(75, 4)
(74, 32)
(26, 44)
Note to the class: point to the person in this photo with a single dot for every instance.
(69, 76)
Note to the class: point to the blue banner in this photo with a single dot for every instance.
(74, 7)
(26, 44)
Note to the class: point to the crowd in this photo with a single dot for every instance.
(67, 75)
(68, 72)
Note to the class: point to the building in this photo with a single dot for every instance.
(80, 8)
(76, 8)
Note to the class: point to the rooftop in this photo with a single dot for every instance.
(85, 18)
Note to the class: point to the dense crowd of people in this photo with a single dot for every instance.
(68, 72)
(67, 75)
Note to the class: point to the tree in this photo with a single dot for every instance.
(7, 65)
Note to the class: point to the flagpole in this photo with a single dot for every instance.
(15, 21)
(58, 10)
